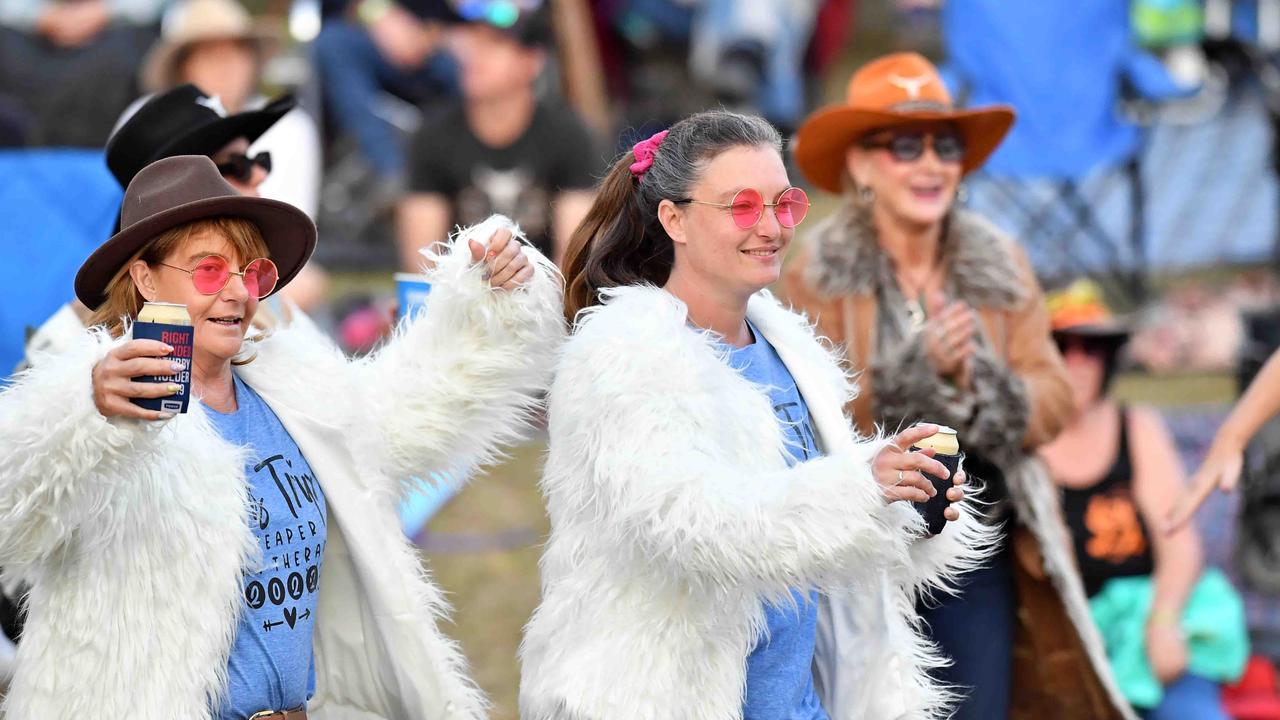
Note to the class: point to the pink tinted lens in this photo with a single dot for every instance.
(260, 277)
(210, 276)
(793, 205)
(747, 205)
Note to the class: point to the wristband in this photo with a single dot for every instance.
(1163, 618)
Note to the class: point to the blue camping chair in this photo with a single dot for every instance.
(1063, 64)
(58, 206)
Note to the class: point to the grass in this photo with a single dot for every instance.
(483, 548)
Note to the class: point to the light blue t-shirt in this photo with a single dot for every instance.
(271, 665)
(780, 668)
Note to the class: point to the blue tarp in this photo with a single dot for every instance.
(57, 206)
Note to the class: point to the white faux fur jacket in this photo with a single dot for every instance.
(132, 536)
(674, 516)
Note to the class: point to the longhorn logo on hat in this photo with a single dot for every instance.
(911, 84)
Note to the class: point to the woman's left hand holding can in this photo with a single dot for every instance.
(900, 471)
(506, 265)
(113, 384)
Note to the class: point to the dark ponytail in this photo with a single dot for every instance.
(621, 241)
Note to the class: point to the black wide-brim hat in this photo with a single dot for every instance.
(184, 121)
(178, 190)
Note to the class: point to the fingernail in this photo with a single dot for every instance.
(175, 389)
(168, 349)
(177, 366)
(166, 416)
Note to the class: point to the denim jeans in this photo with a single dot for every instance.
(975, 629)
(781, 27)
(1190, 697)
(354, 74)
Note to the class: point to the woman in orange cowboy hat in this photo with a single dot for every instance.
(940, 314)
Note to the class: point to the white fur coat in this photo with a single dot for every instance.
(133, 536)
(674, 516)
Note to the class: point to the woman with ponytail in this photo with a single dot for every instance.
(704, 486)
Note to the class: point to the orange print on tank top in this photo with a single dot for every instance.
(1113, 524)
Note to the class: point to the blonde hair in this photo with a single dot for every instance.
(123, 301)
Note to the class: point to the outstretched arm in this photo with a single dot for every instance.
(1222, 466)
(460, 381)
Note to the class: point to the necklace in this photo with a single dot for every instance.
(913, 294)
(916, 310)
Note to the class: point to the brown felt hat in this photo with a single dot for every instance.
(181, 189)
(895, 90)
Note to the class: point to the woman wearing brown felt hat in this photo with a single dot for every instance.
(940, 314)
(243, 559)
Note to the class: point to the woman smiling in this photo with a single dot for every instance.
(704, 487)
(940, 315)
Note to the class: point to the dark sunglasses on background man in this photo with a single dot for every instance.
(909, 146)
(238, 166)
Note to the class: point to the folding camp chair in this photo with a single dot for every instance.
(1063, 65)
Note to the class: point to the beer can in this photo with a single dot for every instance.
(946, 447)
(170, 324)
(412, 290)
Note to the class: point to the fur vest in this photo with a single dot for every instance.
(133, 536)
(1019, 398)
(675, 516)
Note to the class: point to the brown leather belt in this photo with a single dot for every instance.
(296, 714)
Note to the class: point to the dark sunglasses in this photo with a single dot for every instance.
(1089, 346)
(239, 166)
(909, 147)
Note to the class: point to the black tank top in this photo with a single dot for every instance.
(1111, 538)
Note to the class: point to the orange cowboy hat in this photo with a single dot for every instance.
(897, 89)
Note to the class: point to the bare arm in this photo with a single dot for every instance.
(1157, 480)
(1221, 467)
(568, 211)
(422, 219)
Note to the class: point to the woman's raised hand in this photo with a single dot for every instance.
(506, 264)
(949, 337)
(113, 384)
(1220, 470)
(899, 470)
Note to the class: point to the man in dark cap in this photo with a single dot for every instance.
(503, 149)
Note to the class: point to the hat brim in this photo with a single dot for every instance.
(289, 234)
(211, 138)
(1115, 331)
(822, 141)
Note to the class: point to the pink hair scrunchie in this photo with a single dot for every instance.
(644, 152)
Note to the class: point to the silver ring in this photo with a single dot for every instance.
(899, 477)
